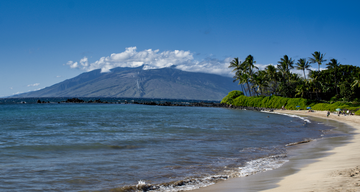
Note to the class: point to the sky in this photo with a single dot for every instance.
(45, 42)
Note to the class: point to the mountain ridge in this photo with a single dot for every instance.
(170, 83)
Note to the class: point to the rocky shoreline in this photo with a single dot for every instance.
(166, 103)
(252, 108)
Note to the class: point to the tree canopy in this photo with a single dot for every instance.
(336, 82)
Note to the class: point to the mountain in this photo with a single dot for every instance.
(168, 83)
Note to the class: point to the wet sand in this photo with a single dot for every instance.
(331, 164)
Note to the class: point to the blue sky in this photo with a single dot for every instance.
(45, 42)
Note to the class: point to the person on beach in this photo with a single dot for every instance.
(328, 114)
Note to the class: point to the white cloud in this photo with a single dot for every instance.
(154, 59)
(17, 93)
(34, 85)
(84, 62)
(37, 89)
(72, 64)
(209, 65)
(58, 76)
(11, 87)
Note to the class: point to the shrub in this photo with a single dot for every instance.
(357, 112)
(334, 99)
(293, 102)
(232, 95)
(237, 98)
(277, 102)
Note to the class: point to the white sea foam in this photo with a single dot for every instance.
(296, 116)
(250, 168)
(262, 165)
(140, 183)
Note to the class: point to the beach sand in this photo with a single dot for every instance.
(336, 170)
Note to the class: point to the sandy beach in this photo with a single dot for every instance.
(338, 170)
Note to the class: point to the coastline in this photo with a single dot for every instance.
(337, 169)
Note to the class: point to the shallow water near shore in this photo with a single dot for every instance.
(88, 147)
(299, 156)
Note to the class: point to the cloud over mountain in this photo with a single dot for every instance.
(34, 85)
(154, 59)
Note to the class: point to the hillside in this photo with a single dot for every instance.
(169, 83)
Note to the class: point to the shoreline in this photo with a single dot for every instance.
(334, 169)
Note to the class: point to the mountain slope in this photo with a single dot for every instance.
(168, 83)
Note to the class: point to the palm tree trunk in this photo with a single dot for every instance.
(317, 95)
(243, 89)
(257, 94)
(247, 83)
(336, 89)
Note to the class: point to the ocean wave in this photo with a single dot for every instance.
(250, 168)
(263, 164)
(290, 115)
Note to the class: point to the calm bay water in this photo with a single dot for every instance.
(87, 147)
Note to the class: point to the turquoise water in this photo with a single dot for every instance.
(87, 147)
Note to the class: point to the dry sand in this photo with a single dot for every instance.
(337, 171)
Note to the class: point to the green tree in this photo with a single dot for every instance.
(271, 78)
(356, 80)
(302, 89)
(314, 83)
(303, 65)
(317, 58)
(238, 68)
(284, 66)
(259, 81)
(334, 65)
(249, 69)
(337, 80)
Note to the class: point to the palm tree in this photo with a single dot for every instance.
(236, 64)
(356, 81)
(248, 68)
(245, 78)
(284, 66)
(259, 81)
(271, 78)
(301, 89)
(333, 64)
(317, 58)
(314, 83)
(250, 64)
(303, 65)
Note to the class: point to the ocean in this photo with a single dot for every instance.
(102, 147)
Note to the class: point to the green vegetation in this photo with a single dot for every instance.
(276, 102)
(277, 86)
(232, 95)
(357, 112)
(336, 83)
